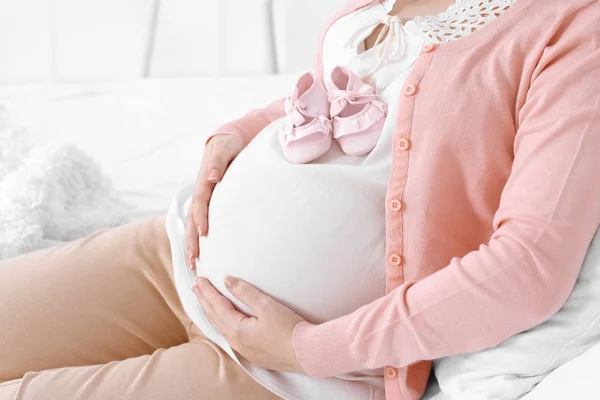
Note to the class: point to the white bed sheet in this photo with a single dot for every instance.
(577, 380)
(148, 136)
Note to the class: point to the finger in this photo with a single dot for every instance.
(217, 157)
(225, 148)
(247, 294)
(206, 306)
(191, 240)
(218, 162)
(199, 213)
(214, 316)
(229, 316)
(203, 192)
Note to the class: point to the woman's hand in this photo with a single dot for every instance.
(264, 340)
(220, 151)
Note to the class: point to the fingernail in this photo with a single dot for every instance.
(195, 287)
(230, 281)
(213, 176)
(198, 280)
(200, 230)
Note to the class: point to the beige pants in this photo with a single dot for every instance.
(99, 318)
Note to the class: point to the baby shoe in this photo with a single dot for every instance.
(306, 133)
(356, 114)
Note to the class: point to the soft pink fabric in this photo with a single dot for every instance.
(500, 192)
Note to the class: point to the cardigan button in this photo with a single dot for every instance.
(403, 144)
(396, 205)
(391, 372)
(429, 47)
(396, 259)
(410, 89)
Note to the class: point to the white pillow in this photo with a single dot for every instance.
(515, 366)
(577, 379)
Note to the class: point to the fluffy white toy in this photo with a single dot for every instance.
(50, 193)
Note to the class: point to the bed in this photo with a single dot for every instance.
(148, 137)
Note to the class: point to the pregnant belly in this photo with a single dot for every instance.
(310, 236)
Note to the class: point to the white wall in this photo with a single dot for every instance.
(246, 40)
(25, 44)
(200, 37)
(298, 26)
(75, 40)
(183, 45)
(104, 38)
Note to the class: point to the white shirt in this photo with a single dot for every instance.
(313, 235)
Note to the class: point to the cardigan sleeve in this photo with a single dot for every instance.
(548, 214)
(249, 125)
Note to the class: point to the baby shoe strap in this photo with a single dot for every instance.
(340, 98)
(293, 107)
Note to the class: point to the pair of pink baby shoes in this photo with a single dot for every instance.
(349, 113)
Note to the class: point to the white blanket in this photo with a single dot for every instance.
(50, 193)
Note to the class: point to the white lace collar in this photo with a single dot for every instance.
(459, 20)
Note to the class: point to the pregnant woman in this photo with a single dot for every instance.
(430, 189)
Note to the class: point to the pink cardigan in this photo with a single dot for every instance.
(491, 209)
